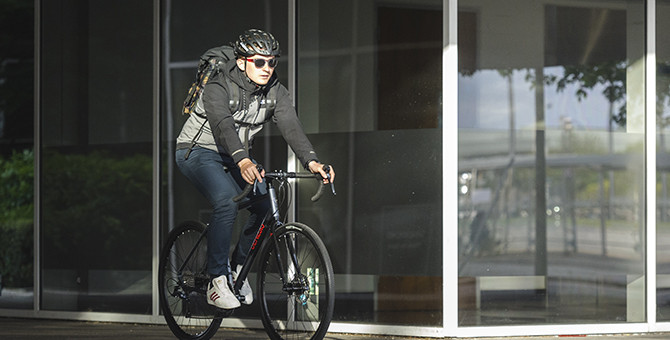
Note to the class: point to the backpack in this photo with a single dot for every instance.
(210, 64)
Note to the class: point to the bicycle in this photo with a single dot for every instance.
(295, 275)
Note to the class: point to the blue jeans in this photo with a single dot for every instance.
(218, 178)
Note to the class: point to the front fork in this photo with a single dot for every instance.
(290, 246)
(275, 213)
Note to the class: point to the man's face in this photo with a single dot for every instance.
(259, 75)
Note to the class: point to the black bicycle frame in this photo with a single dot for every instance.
(261, 235)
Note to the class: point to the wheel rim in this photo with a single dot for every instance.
(296, 310)
(183, 293)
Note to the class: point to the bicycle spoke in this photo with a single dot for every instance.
(183, 279)
(301, 307)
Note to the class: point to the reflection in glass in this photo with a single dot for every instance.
(96, 156)
(662, 161)
(369, 92)
(551, 199)
(16, 155)
(16, 228)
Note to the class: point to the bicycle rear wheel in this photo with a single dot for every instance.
(183, 280)
(302, 307)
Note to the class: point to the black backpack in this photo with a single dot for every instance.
(211, 63)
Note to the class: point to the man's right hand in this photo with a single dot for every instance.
(249, 171)
(316, 167)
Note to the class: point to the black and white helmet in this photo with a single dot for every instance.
(255, 41)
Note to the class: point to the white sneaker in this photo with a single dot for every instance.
(246, 288)
(219, 294)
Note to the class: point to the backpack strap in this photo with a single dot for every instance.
(234, 93)
(271, 101)
(269, 104)
(234, 100)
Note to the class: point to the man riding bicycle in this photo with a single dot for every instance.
(213, 153)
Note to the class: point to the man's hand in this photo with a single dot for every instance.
(316, 167)
(249, 171)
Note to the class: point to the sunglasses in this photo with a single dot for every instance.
(260, 63)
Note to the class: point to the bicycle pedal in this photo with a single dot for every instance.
(223, 313)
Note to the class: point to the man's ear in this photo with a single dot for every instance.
(240, 64)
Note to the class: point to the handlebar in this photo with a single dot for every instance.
(281, 175)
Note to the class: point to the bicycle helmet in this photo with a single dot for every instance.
(255, 41)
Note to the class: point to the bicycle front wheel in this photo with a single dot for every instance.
(296, 284)
(182, 282)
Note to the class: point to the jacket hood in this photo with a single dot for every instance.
(240, 78)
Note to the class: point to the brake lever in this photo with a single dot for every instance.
(247, 189)
(326, 169)
(260, 169)
(332, 188)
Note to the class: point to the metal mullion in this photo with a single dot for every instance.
(37, 140)
(450, 166)
(650, 156)
(155, 241)
(292, 88)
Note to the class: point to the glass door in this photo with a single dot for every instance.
(551, 162)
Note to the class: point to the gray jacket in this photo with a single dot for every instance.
(225, 131)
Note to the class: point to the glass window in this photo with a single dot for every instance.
(96, 148)
(16, 153)
(551, 162)
(369, 94)
(183, 44)
(663, 161)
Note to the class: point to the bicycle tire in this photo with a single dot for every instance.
(183, 295)
(296, 313)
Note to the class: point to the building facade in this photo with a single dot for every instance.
(502, 165)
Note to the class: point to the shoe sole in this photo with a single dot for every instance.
(223, 308)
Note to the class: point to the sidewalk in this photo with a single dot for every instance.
(42, 329)
(34, 329)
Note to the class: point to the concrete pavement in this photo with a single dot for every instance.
(43, 329)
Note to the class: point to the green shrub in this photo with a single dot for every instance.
(16, 219)
(96, 211)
